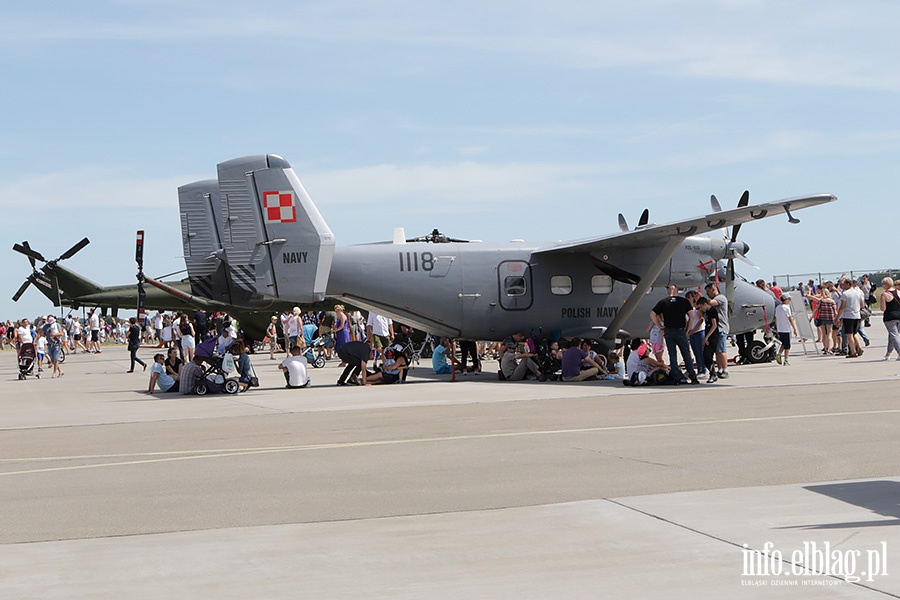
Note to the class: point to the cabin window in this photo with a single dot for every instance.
(514, 285)
(560, 285)
(601, 284)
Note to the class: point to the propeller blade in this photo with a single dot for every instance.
(729, 286)
(54, 288)
(623, 224)
(435, 237)
(714, 202)
(645, 217)
(740, 256)
(74, 249)
(744, 201)
(25, 249)
(21, 290)
(30, 258)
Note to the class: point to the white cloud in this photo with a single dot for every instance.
(825, 43)
(91, 188)
(474, 150)
(464, 184)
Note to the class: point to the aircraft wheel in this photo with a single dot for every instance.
(201, 389)
(231, 386)
(757, 352)
(320, 362)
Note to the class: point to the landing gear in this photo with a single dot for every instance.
(759, 352)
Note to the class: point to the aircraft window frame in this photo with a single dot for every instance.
(560, 285)
(601, 284)
(509, 273)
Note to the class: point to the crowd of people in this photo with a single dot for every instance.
(697, 327)
(373, 352)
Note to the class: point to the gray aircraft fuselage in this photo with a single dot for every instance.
(481, 291)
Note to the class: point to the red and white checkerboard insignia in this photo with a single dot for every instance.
(280, 207)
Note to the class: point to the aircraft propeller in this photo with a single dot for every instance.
(734, 249)
(642, 221)
(139, 258)
(36, 276)
(435, 237)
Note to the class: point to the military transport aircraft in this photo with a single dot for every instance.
(253, 235)
(254, 240)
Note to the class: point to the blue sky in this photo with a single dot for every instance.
(488, 120)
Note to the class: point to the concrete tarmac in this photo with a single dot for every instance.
(780, 482)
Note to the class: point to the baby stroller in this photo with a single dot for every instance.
(315, 352)
(215, 378)
(27, 354)
(550, 366)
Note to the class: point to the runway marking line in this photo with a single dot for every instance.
(179, 455)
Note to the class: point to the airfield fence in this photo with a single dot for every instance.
(875, 276)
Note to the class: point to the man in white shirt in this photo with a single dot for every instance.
(295, 369)
(224, 342)
(94, 321)
(852, 301)
(285, 319)
(784, 325)
(158, 325)
(379, 331)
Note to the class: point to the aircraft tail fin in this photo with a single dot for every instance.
(258, 225)
(290, 246)
(70, 285)
(200, 207)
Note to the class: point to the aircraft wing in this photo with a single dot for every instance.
(659, 234)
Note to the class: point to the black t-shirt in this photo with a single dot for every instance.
(174, 366)
(674, 310)
(134, 336)
(358, 350)
(200, 322)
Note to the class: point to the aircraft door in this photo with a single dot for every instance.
(515, 284)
